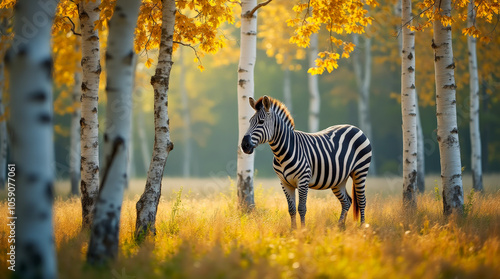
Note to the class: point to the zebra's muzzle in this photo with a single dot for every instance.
(246, 144)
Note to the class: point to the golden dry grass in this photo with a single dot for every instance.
(208, 237)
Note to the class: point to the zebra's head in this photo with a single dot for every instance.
(261, 125)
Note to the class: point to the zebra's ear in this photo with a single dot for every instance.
(267, 103)
(252, 102)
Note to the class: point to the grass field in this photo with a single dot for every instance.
(202, 234)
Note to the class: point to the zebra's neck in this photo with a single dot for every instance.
(283, 138)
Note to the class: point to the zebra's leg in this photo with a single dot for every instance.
(359, 186)
(345, 200)
(303, 189)
(290, 198)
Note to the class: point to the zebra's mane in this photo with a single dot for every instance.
(280, 109)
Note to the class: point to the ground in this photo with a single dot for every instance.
(202, 234)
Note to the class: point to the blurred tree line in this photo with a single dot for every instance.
(213, 112)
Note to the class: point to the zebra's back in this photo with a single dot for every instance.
(334, 154)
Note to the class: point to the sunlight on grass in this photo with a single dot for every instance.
(208, 237)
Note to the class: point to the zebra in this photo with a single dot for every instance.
(322, 160)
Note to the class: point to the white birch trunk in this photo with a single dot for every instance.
(186, 117)
(31, 135)
(148, 203)
(103, 244)
(447, 130)
(89, 125)
(3, 123)
(408, 110)
(314, 97)
(475, 135)
(75, 154)
(363, 72)
(287, 90)
(248, 55)
(141, 131)
(420, 150)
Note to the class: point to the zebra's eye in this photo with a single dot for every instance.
(261, 121)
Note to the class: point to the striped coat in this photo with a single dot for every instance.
(322, 160)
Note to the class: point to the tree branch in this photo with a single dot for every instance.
(250, 13)
(73, 28)
(192, 47)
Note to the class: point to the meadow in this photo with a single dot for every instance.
(203, 234)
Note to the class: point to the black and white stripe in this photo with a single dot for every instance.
(322, 160)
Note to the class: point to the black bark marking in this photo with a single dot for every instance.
(34, 256)
(410, 69)
(44, 118)
(84, 87)
(433, 45)
(412, 86)
(454, 131)
(84, 15)
(94, 110)
(410, 56)
(47, 66)
(119, 141)
(38, 96)
(98, 71)
(242, 83)
(49, 192)
(451, 66)
(127, 60)
(450, 86)
(31, 178)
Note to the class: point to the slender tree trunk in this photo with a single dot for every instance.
(103, 244)
(287, 89)
(75, 154)
(3, 120)
(475, 135)
(314, 96)
(408, 110)
(148, 203)
(31, 135)
(89, 125)
(363, 72)
(420, 150)
(186, 117)
(447, 130)
(248, 54)
(141, 131)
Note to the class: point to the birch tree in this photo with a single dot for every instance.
(31, 135)
(147, 205)
(89, 125)
(408, 108)
(103, 244)
(446, 111)
(75, 154)
(420, 150)
(4, 39)
(312, 81)
(248, 55)
(475, 136)
(363, 73)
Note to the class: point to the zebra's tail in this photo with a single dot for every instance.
(355, 210)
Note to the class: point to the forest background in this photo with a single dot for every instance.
(209, 84)
(212, 99)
